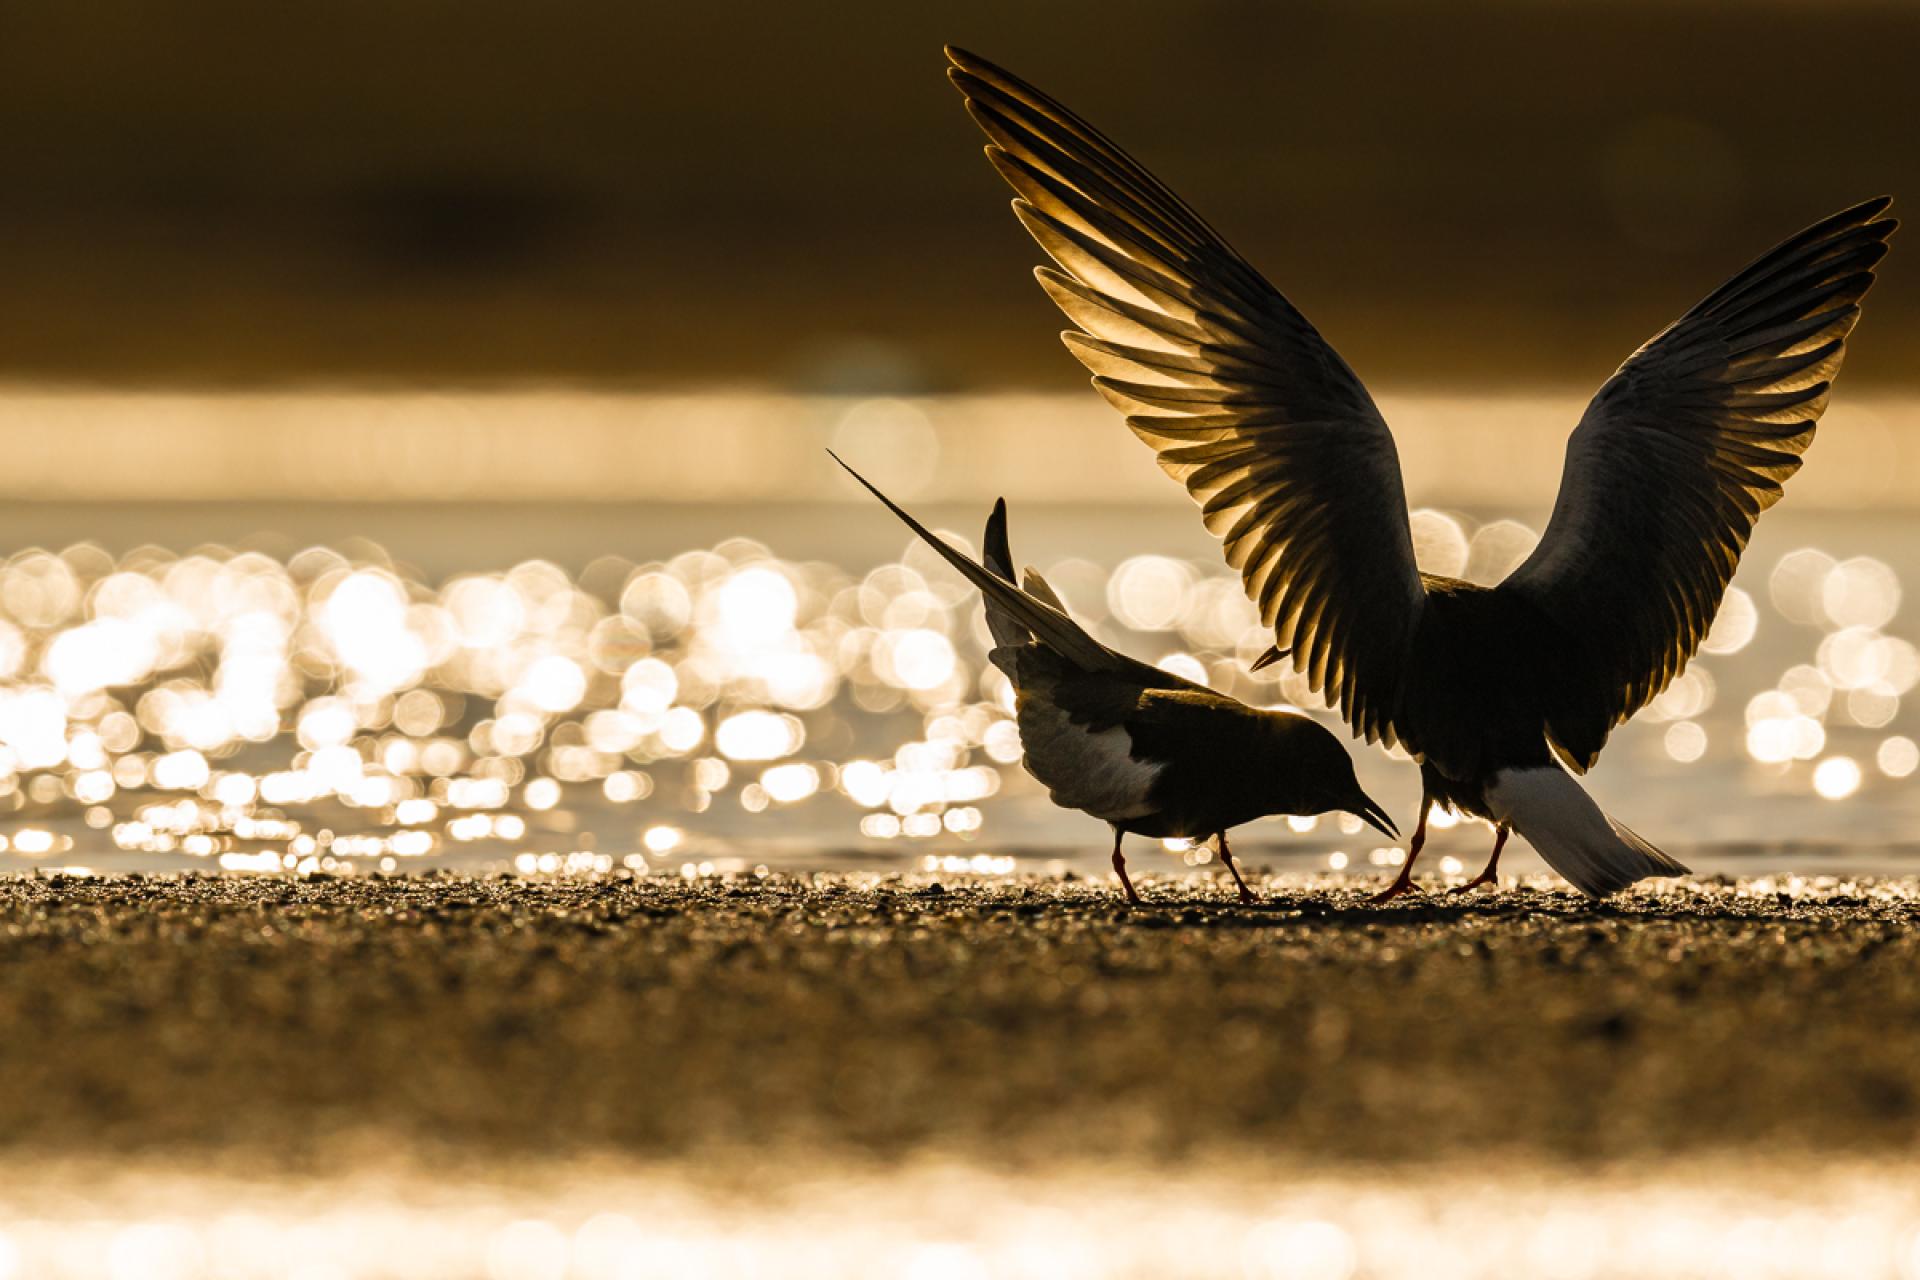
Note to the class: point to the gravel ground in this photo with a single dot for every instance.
(1009, 1021)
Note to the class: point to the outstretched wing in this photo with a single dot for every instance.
(1244, 403)
(1049, 624)
(1675, 459)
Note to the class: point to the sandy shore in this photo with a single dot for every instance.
(280, 1022)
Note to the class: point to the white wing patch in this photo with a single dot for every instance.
(1094, 772)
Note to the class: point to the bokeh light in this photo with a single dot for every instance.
(333, 711)
(1836, 778)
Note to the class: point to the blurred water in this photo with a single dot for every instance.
(773, 677)
(935, 1220)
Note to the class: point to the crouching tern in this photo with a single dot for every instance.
(1141, 749)
(1501, 694)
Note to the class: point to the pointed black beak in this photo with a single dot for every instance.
(1273, 654)
(1374, 816)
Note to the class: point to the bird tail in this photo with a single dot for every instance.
(998, 556)
(1038, 613)
(1560, 820)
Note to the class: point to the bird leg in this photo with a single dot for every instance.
(1226, 856)
(1403, 883)
(1491, 874)
(1120, 869)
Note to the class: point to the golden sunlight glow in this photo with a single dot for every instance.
(1836, 778)
(1149, 593)
(1734, 626)
(1685, 741)
(1898, 756)
(321, 712)
(1440, 545)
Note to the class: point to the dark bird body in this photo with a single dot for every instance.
(1498, 692)
(1210, 762)
(1142, 749)
(1483, 671)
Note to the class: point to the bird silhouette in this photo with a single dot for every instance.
(1501, 694)
(1140, 748)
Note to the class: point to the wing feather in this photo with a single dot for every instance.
(1241, 399)
(1675, 459)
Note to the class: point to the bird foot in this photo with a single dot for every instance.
(1120, 871)
(1392, 891)
(1247, 895)
(1475, 883)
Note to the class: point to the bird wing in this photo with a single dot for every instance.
(1076, 736)
(1111, 743)
(1049, 625)
(1675, 459)
(1242, 401)
(996, 556)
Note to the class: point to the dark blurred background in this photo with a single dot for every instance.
(222, 192)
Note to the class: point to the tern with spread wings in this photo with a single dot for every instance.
(1501, 694)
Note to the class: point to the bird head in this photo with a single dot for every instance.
(1368, 810)
(1343, 793)
(1321, 779)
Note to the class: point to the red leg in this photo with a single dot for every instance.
(1120, 869)
(1246, 894)
(1403, 883)
(1491, 874)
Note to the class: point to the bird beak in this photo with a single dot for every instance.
(1376, 817)
(1267, 659)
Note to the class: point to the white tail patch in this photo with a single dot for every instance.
(1597, 855)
